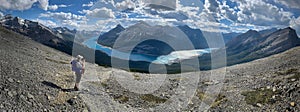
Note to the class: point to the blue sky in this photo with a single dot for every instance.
(208, 15)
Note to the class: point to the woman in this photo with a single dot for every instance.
(78, 68)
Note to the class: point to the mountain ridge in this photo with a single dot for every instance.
(252, 45)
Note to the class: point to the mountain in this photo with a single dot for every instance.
(143, 31)
(31, 73)
(244, 41)
(65, 33)
(37, 32)
(267, 31)
(253, 45)
(135, 34)
(228, 36)
(74, 35)
(109, 38)
(195, 35)
(35, 77)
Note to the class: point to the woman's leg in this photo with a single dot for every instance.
(77, 81)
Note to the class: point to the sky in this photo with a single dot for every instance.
(207, 15)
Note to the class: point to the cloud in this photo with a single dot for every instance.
(1, 14)
(227, 12)
(90, 4)
(52, 7)
(126, 4)
(22, 4)
(62, 16)
(168, 3)
(290, 3)
(295, 24)
(261, 13)
(55, 7)
(49, 23)
(43, 4)
(99, 13)
(63, 19)
(211, 5)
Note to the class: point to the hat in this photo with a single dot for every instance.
(79, 57)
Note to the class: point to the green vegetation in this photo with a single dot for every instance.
(104, 84)
(152, 98)
(122, 99)
(296, 74)
(136, 77)
(258, 96)
(203, 97)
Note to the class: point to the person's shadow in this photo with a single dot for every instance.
(50, 84)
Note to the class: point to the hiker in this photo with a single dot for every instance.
(78, 68)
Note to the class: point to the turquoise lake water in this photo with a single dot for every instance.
(173, 57)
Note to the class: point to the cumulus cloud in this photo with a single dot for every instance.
(126, 4)
(49, 23)
(100, 13)
(55, 7)
(261, 13)
(290, 3)
(227, 12)
(295, 24)
(168, 3)
(62, 16)
(22, 4)
(211, 5)
(43, 4)
(90, 4)
(63, 19)
(1, 14)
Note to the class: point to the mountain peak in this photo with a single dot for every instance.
(289, 28)
(142, 23)
(252, 31)
(119, 26)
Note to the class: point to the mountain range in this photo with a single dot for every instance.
(257, 44)
(240, 47)
(60, 38)
(158, 39)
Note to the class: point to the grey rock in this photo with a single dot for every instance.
(23, 97)
(72, 101)
(10, 80)
(30, 96)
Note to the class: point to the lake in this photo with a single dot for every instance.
(173, 57)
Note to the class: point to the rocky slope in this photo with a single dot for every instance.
(254, 45)
(34, 77)
(37, 32)
(109, 38)
(267, 84)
